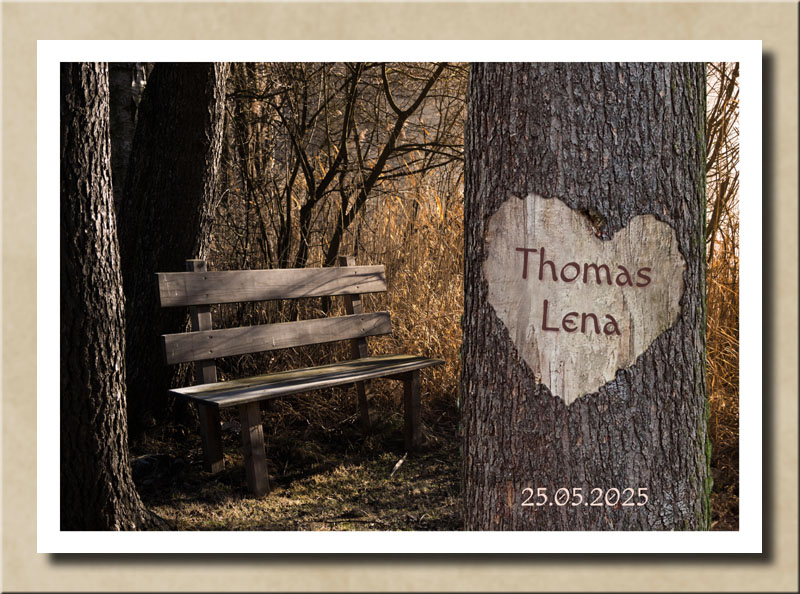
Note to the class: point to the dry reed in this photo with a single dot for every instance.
(722, 291)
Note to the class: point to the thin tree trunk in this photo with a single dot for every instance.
(612, 141)
(97, 491)
(166, 215)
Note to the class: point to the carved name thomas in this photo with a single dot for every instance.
(579, 308)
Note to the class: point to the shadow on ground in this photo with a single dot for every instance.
(324, 476)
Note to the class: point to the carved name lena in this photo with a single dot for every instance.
(579, 308)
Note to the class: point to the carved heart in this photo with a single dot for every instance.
(579, 308)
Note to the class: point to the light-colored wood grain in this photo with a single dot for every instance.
(193, 346)
(184, 288)
(251, 389)
(533, 309)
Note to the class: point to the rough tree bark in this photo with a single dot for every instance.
(166, 215)
(97, 491)
(612, 141)
(125, 81)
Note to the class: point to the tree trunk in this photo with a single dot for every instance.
(612, 142)
(97, 491)
(166, 215)
(125, 81)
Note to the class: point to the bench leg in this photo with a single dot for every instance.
(255, 458)
(363, 407)
(212, 438)
(412, 411)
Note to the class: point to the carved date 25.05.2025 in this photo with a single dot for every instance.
(613, 497)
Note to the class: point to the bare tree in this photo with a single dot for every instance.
(312, 144)
(722, 149)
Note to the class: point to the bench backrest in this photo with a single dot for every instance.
(198, 289)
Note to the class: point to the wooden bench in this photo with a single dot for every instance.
(198, 289)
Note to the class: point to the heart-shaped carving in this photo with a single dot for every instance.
(579, 308)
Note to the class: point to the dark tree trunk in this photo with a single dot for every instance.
(97, 491)
(125, 81)
(166, 215)
(613, 141)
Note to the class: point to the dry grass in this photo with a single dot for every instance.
(722, 292)
(723, 384)
(322, 478)
(424, 258)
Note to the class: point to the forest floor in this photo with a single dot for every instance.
(330, 476)
(322, 478)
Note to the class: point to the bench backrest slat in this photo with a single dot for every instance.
(210, 344)
(193, 288)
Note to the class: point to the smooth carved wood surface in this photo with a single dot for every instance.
(187, 288)
(242, 391)
(210, 344)
(579, 308)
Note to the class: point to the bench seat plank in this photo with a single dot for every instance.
(252, 389)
